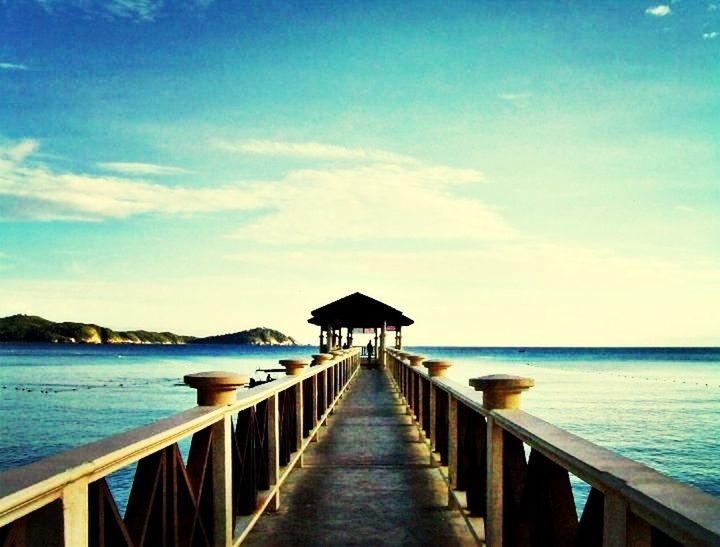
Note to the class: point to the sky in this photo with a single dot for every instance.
(505, 173)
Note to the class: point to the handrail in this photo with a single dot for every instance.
(293, 409)
(636, 503)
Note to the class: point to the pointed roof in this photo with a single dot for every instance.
(358, 311)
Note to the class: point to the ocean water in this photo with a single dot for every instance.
(658, 406)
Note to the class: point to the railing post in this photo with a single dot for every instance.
(436, 369)
(499, 391)
(295, 367)
(614, 521)
(318, 359)
(214, 389)
(452, 447)
(222, 481)
(273, 440)
(415, 361)
(75, 514)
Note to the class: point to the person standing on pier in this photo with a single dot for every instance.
(370, 351)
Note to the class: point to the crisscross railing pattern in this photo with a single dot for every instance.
(240, 453)
(510, 472)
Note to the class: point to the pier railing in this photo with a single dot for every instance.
(241, 450)
(509, 472)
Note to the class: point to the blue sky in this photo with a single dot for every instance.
(506, 173)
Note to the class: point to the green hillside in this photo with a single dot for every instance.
(259, 336)
(30, 328)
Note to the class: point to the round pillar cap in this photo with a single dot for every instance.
(322, 356)
(215, 387)
(215, 378)
(437, 367)
(293, 366)
(416, 360)
(502, 382)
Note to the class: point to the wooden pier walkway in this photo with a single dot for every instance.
(368, 482)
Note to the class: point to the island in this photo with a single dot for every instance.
(33, 329)
(259, 336)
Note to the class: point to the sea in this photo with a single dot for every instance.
(659, 406)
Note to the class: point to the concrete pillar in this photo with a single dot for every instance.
(215, 387)
(500, 391)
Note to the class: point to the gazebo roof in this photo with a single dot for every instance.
(358, 311)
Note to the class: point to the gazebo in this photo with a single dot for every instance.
(358, 313)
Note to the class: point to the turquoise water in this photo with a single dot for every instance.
(658, 406)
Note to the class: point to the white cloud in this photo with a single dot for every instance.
(513, 97)
(365, 202)
(710, 35)
(380, 195)
(375, 202)
(13, 66)
(310, 150)
(39, 192)
(659, 11)
(19, 151)
(140, 10)
(133, 168)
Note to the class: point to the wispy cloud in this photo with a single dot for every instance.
(134, 168)
(513, 97)
(310, 150)
(140, 10)
(375, 203)
(364, 202)
(41, 193)
(659, 11)
(710, 35)
(20, 150)
(13, 66)
(378, 195)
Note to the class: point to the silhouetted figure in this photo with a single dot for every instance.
(370, 351)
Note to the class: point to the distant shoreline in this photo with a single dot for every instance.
(22, 328)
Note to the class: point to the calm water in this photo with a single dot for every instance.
(658, 406)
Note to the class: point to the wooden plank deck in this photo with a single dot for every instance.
(368, 481)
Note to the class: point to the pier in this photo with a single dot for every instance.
(351, 450)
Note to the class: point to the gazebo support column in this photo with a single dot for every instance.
(375, 348)
(383, 333)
